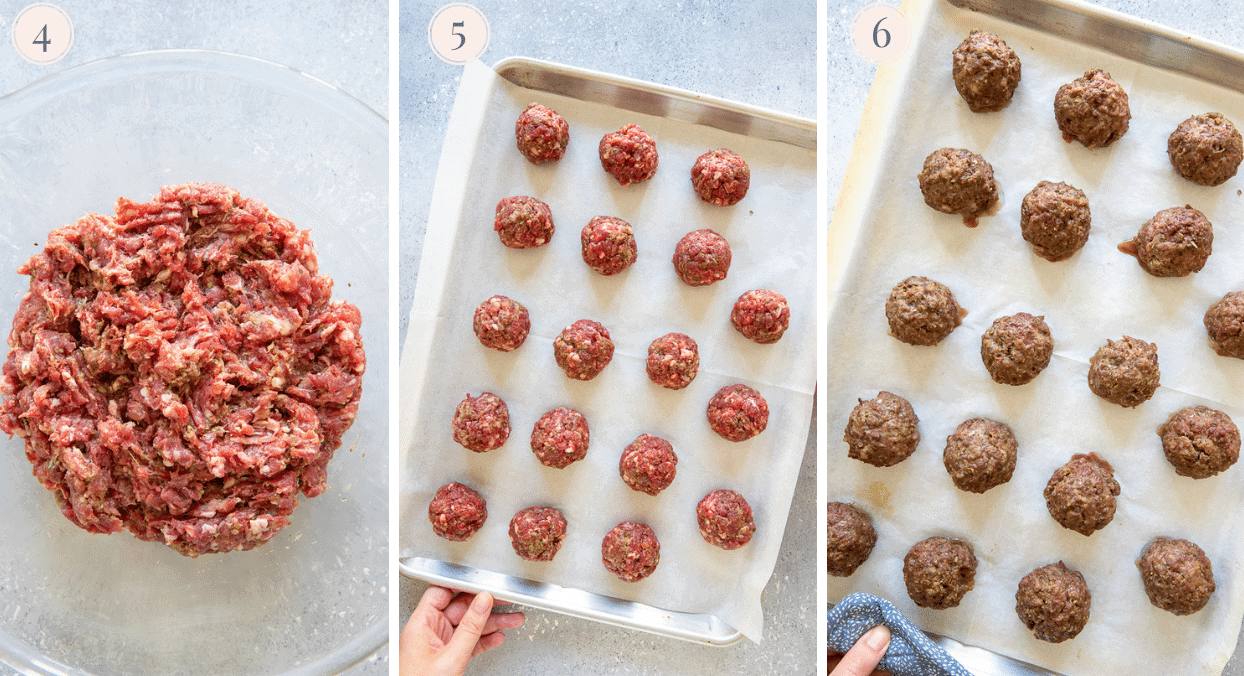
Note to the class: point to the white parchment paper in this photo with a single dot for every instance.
(1098, 294)
(772, 234)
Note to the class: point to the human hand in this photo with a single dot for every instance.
(862, 658)
(449, 628)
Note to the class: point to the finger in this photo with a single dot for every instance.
(458, 607)
(863, 657)
(472, 625)
(435, 598)
(488, 642)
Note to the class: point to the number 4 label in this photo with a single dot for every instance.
(42, 33)
(880, 33)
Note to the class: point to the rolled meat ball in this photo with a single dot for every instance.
(1125, 372)
(882, 431)
(849, 538)
(1200, 442)
(1092, 109)
(501, 323)
(536, 533)
(1176, 242)
(1206, 149)
(986, 72)
(542, 135)
(1224, 322)
(1055, 219)
(457, 512)
(1017, 348)
(720, 177)
(725, 519)
(608, 245)
(921, 311)
(631, 551)
(980, 455)
(560, 437)
(957, 181)
(702, 257)
(1177, 575)
(939, 572)
(523, 222)
(738, 412)
(1081, 494)
(629, 155)
(761, 315)
(648, 464)
(1053, 602)
(673, 360)
(583, 349)
(481, 423)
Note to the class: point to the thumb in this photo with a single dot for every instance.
(466, 636)
(863, 657)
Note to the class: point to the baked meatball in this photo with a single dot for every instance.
(648, 464)
(720, 177)
(1017, 348)
(980, 455)
(583, 349)
(1177, 574)
(1200, 441)
(629, 155)
(849, 538)
(1054, 218)
(986, 72)
(1053, 601)
(1125, 372)
(457, 512)
(523, 222)
(542, 134)
(1081, 494)
(536, 533)
(560, 437)
(882, 431)
(761, 315)
(939, 571)
(1174, 243)
(1206, 149)
(501, 323)
(481, 423)
(608, 245)
(1092, 110)
(673, 360)
(738, 412)
(922, 312)
(957, 181)
(631, 551)
(725, 519)
(702, 257)
(1224, 321)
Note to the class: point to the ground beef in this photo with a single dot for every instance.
(536, 533)
(1054, 218)
(1174, 243)
(1092, 109)
(1177, 575)
(986, 72)
(501, 323)
(630, 551)
(457, 512)
(980, 455)
(481, 423)
(702, 257)
(882, 431)
(761, 315)
(1017, 348)
(180, 370)
(629, 155)
(648, 464)
(673, 361)
(738, 412)
(608, 245)
(1224, 321)
(720, 177)
(1206, 149)
(523, 222)
(922, 312)
(1125, 372)
(542, 134)
(849, 538)
(1200, 441)
(1081, 494)
(560, 437)
(583, 349)
(725, 519)
(956, 181)
(1053, 602)
(939, 571)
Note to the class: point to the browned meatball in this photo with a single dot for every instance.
(1177, 574)
(631, 551)
(922, 312)
(1081, 494)
(481, 423)
(1092, 109)
(648, 464)
(980, 455)
(523, 222)
(673, 360)
(882, 431)
(957, 181)
(725, 519)
(629, 155)
(1053, 601)
(457, 512)
(542, 134)
(1224, 321)
(1054, 218)
(720, 177)
(1125, 372)
(849, 538)
(536, 533)
(939, 571)
(986, 72)
(1200, 441)
(1174, 243)
(1206, 149)
(1017, 348)
(501, 323)
(761, 315)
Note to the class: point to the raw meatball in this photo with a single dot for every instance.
(1174, 243)
(1081, 494)
(583, 349)
(1200, 441)
(481, 423)
(523, 222)
(980, 455)
(501, 323)
(720, 177)
(608, 245)
(457, 512)
(702, 257)
(922, 311)
(648, 464)
(849, 538)
(882, 431)
(560, 437)
(542, 134)
(956, 181)
(738, 412)
(1177, 574)
(939, 571)
(1206, 149)
(761, 315)
(986, 72)
(629, 155)
(725, 519)
(1092, 110)
(1017, 348)
(1054, 218)
(630, 551)
(1224, 321)
(1053, 601)
(673, 361)
(536, 533)
(1125, 372)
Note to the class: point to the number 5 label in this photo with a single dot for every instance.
(880, 33)
(42, 33)
(458, 33)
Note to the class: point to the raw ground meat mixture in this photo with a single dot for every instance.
(608, 245)
(849, 538)
(1092, 109)
(1224, 322)
(523, 222)
(980, 455)
(1016, 349)
(1125, 372)
(738, 412)
(761, 315)
(1081, 494)
(1206, 149)
(986, 72)
(1055, 219)
(1177, 575)
(542, 135)
(536, 533)
(921, 311)
(957, 181)
(630, 551)
(673, 360)
(180, 370)
(939, 571)
(457, 512)
(1176, 242)
(629, 155)
(648, 464)
(481, 423)
(1200, 442)
(1053, 602)
(702, 257)
(501, 323)
(720, 177)
(882, 431)
(583, 349)
(725, 519)
(560, 437)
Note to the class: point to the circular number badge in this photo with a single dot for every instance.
(42, 33)
(880, 33)
(458, 33)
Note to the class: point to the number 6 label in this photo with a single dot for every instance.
(458, 33)
(880, 33)
(42, 33)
